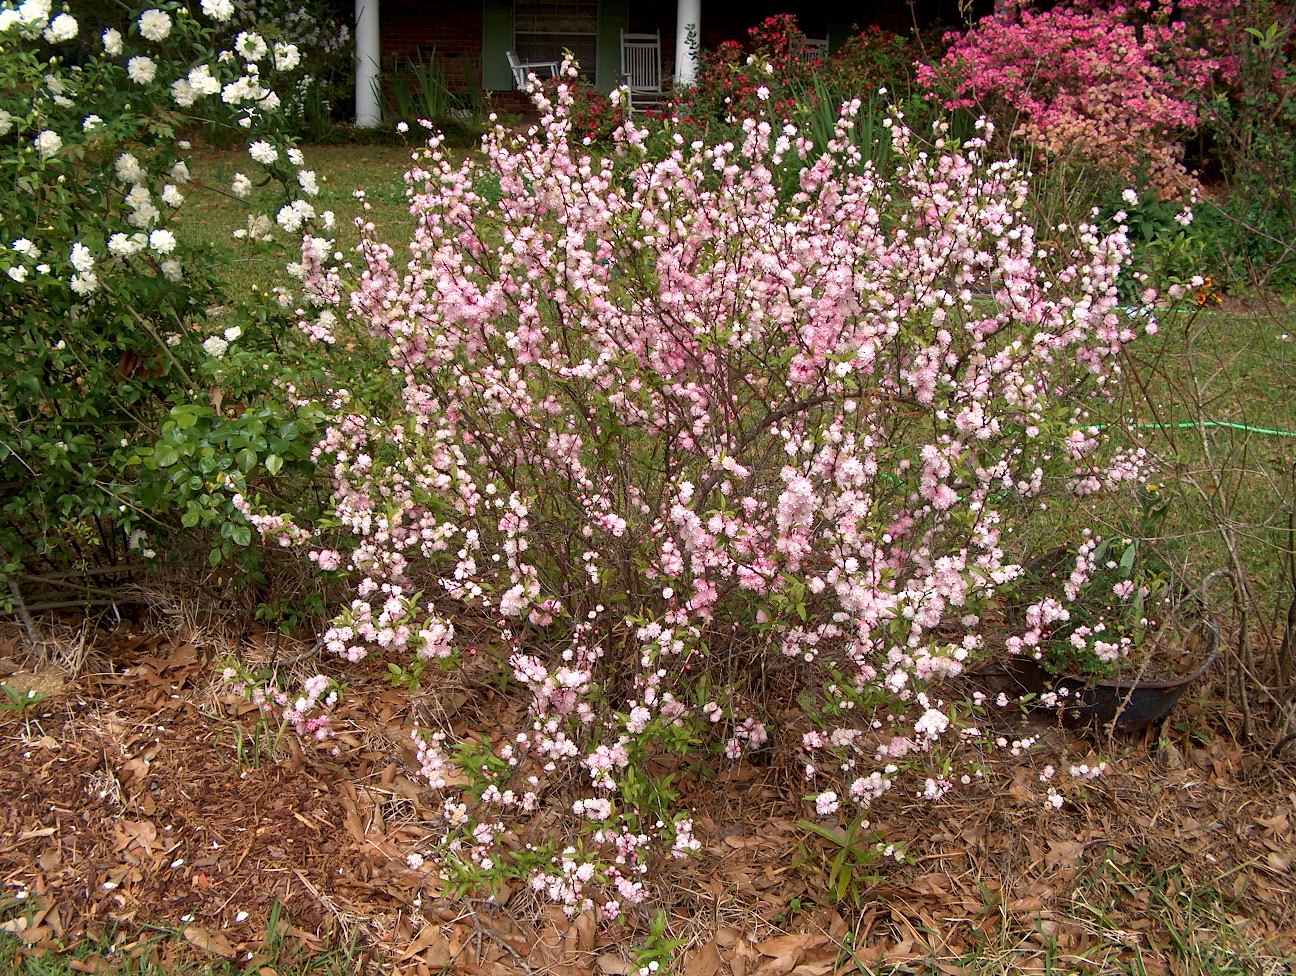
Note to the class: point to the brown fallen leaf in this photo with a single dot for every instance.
(610, 964)
(581, 934)
(209, 941)
(781, 945)
(1064, 850)
(781, 965)
(703, 961)
(94, 965)
(429, 937)
(814, 968)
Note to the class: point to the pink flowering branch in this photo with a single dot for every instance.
(682, 425)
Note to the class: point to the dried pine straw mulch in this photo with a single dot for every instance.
(125, 811)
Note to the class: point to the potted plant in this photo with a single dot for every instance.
(1109, 633)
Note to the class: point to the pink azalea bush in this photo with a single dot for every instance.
(684, 442)
(1118, 84)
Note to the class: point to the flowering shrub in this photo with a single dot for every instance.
(784, 80)
(594, 115)
(105, 328)
(1118, 588)
(309, 713)
(688, 439)
(1118, 85)
(324, 74)
(1168, 240)
(1253, 134)
(734, 83)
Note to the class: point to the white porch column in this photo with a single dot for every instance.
(688, 20)
(368, 54)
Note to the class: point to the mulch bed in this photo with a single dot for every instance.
(126, 814)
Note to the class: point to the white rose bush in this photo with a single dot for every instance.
(722, 470)
(112, 391)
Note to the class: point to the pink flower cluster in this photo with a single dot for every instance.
(1119, 85)
(650, 404)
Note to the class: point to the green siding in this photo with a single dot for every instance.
(497, 37)
(614, 17)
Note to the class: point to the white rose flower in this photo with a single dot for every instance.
(215, 346)
(202, 80)
(6, 122)
(237, 92)
(82, 259)
(143, 216)
(286, 57)
(155, 25)
(141, 69)
(289, 219)
(171, 270)
(91, 123)
(251, 46)
(84, 283)
(123, 246)
(162, 241)
(241, 186)
(308, 182)
(183, 92)
(24, 246)
(18, 273)
(180, 171)
(263, 152)
(218, 10)
(138, 196)
(295, 157)
(129, 169)
(62, 28)
(48, 143)
(232, 333)
(34, 13)
(112, 42)
(171, 196)
(260, 227)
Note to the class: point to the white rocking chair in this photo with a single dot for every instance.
(524, 69)
(641, 70)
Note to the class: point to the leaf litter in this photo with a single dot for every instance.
(124, 810)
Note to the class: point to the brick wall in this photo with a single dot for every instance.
(415, 30)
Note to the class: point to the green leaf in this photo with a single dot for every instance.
(274, 463)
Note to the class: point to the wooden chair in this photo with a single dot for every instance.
(814, 47)
(522, 69)
(641, 70)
